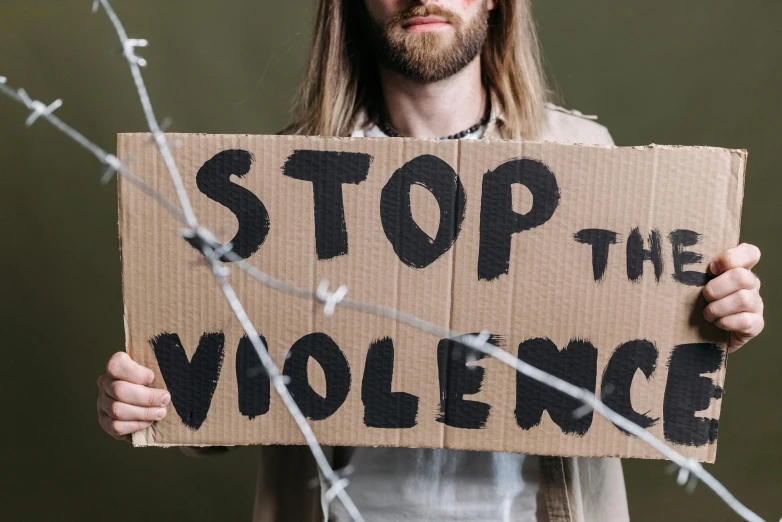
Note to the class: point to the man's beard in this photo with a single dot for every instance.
(429, 56)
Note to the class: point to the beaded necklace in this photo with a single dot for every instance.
(388, 131)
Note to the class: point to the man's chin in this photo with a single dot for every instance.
(429, 47)
(424, 57)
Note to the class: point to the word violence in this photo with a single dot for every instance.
(193, 383)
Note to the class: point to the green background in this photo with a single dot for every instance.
(705, 72)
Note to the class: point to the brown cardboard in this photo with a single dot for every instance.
(549, 291)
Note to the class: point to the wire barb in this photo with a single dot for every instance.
(476, 341)
(114, 166)
(335, 488)
(330, 299)
(38, 108)
(582, 411)
(586, 408)
(129, 50)
(686, 473)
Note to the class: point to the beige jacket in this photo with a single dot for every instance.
(571, 489)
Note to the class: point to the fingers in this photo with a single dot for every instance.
(125, 403)
(737, 340)
(129, 412)
(123, 368)
(119, 429)
(745, 325)
(729, 282)
(742, 256)
(734, 298)
(739, 301)
(135, 394)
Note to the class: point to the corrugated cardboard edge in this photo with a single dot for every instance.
(740, 156)
(735, 205)
(138, 438)
(142, 441)
(740, 152)
(739, 169)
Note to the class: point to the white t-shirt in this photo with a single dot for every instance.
(436, 485)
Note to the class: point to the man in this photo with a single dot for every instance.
(445, 69)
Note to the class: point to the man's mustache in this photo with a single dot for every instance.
(423, 10)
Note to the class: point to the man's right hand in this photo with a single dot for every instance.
(125, 402)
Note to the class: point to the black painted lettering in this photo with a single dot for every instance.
(252, 380)
(190, 383)
(600, 240)
(382, 407)
(335, 367)
(412, 245)
(328, 171)
(498, 220)
(688, 392)
(457, 380)
(683, 238)
(576, 364)
(637, 254)
(214, 181)
(629, 357)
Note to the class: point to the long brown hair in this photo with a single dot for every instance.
(342, 77)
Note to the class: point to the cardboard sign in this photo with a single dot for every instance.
(586, 261)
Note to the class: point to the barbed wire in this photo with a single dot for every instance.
(336, 484)
(690, 470)
(112, 163)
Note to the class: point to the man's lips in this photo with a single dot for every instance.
(424, 23)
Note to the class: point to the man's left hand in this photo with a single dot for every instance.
(734, 298)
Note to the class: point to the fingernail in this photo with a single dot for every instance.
(713, 267)
(165, 398)
(161, 413)
(151, 377)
